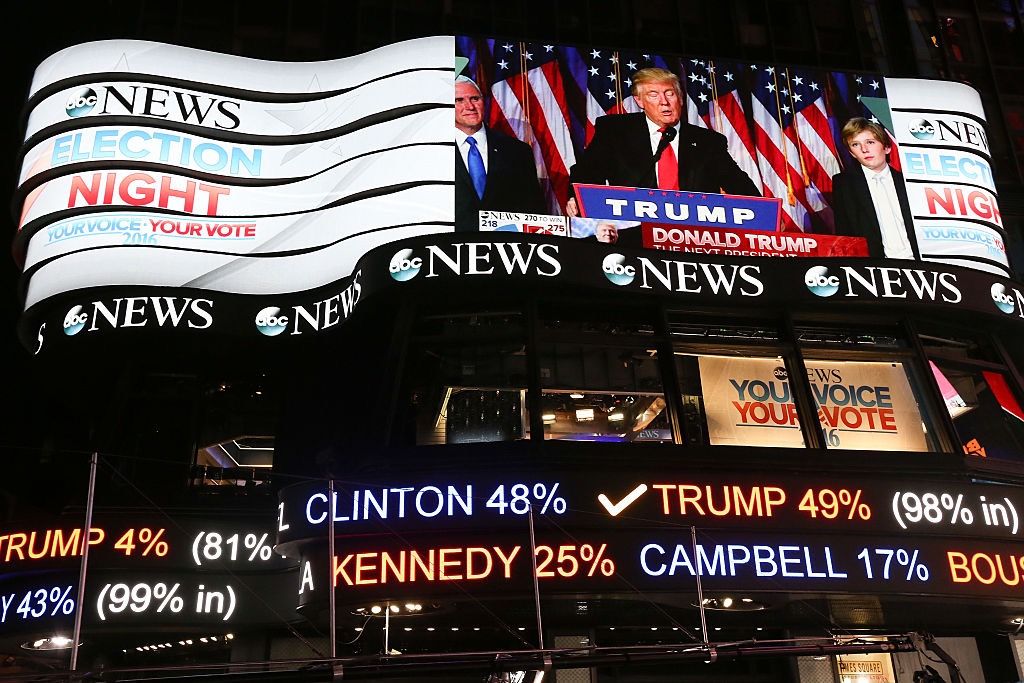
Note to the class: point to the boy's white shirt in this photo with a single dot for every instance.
(882, 187)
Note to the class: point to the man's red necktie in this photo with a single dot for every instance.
(668, 167)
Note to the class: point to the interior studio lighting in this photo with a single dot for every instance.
(404, 609)
(729, 603)
(51, 643)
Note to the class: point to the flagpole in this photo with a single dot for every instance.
(790, 197)
(714, 96)
(796, 125)
(618, 77)
(83, 567)
(524, 81)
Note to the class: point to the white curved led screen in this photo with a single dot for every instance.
(944, 150)
(148, 164)
(229, 173)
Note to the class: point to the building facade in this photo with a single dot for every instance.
(719, 451)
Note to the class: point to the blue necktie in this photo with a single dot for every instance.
(476, 167)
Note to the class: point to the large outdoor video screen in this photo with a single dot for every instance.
(842, 163)
(147, 164)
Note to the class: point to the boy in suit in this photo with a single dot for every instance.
(870, 200)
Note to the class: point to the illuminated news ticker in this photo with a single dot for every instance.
(37, 603)
(41, 544)
(213, 546)
(424, 502)
(953, 510)
(207, 547)
(148, 598)
(366, 568)
(206, 598)
(596, 500)
(116, 599)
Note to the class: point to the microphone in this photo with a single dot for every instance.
(667, 136)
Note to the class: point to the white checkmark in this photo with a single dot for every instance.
(615, 508)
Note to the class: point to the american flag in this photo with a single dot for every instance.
(782, 124)
(852, 92)
(550, 96)
(778, 153)
(812, 135)
(713, 101)
(609, 82)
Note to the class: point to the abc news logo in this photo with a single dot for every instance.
(922, 129)
(617, 271)
(270, 322)
(75, 320)
(909, 284)
(1002, 299)
(163, 103)
(312, 317)
(820, 282)
(404, 266)
(81, 103)
(139, 311)
(477, 258)
(952, 131)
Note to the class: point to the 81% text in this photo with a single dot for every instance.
(213, 546)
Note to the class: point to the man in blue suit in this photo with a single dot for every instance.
(493, 172)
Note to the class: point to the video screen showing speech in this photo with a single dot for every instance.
(147, 164)
(700, 155)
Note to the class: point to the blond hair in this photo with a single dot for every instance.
(654, 74)
(858, 125)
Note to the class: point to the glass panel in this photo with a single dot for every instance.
(960, 37)
(1002, 32)
(596, 319)
(738, 401)
(607, 417)
(868, 405)
(473, 322)
(924, 37)
(717, 332)
(469, 394)
(476, 415)
(1014, 115)
(988, 418)
(236, 433)
(829, 337)
(956, 346)
(602, 394)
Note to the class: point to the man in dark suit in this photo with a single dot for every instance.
(654, 148)
(870, 200)
(493, 172)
